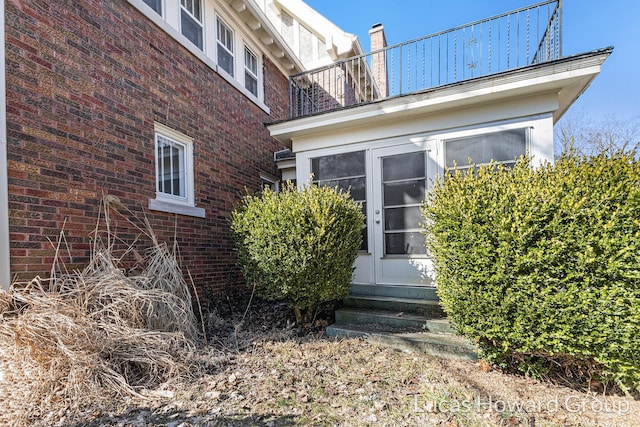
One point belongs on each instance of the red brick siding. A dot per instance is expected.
(85, 82)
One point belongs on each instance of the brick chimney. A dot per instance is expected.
(379, 60)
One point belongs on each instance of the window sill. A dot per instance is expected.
(162, 206)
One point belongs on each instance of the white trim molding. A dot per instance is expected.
(184, 203)
(162, 206)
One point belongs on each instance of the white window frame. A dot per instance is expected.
(221, 45)
(463, 168)
(247, 69)
(168, 202)
(199, 21)
(161, 13)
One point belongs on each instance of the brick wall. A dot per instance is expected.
(379, 60)
(85, 82)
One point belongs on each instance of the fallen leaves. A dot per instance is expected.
(286, 377)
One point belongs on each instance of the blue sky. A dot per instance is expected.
(587, 25)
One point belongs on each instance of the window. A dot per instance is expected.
(225, 47)
(347, 172)
(171, 167)
(268, 181)
(503, 147)
(156, 5)
(250, 71)
(191, 21)
(174, 166)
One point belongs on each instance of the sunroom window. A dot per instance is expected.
(225, 47)
(502, 147)
(347, 172)
(191, 21)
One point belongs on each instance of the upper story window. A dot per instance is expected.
(225, 47)
(156, 5)
(202, 27)
(250, 71)
(191, 21)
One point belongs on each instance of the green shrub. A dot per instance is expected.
(298, 246)
(542, 266)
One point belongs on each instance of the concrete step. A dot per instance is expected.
(381, 318)
(392, 320)
(396, 291)
(440, 325)
(422, 307)
(437, 344)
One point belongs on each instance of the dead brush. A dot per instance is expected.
(81, 337)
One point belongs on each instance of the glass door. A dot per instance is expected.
(401, 177)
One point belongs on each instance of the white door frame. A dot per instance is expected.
(412, 270)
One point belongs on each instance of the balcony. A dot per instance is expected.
(517, 39)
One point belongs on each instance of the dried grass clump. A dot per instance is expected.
(80, 338)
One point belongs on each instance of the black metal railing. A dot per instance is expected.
(505, 42)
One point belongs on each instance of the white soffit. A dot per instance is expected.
(272, 41)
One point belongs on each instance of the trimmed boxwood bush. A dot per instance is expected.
(542, 266)
(298, 246)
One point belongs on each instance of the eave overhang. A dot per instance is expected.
(270, 38)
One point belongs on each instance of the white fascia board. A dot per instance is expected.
(433, 123)
(5, 260)
(554, 77)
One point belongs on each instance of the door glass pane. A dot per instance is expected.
(501, 146)
(402, 218)
(404, 166)
(405, 243)
(402, 193)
